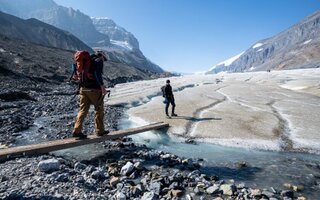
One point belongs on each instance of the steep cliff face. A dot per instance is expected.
(117, 34)
(35, 31)
(61, 17)
(296, 47)
(100, 33)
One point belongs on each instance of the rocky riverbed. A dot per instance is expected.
(126, 171)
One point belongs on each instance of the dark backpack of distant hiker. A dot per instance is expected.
(163, 90)
(82, 71)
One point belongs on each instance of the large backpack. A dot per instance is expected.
(163, 90)
(82, 66)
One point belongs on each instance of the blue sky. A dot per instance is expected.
(194, 35)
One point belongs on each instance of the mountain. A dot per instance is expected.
(124, 46)
(61, 17)
(296, 47)
(121, 46)
(117, 34)
(35, 31)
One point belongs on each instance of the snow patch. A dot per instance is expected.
(2, 50)
(98, 18)
(230, 60)
(260, 49)
(251, 68)
(123, 44)
(257, 45)
(307, 42)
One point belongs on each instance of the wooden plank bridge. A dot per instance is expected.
(55, 145)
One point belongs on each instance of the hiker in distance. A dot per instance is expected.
(169, 98)
(92, 90)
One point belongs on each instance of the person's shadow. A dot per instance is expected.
(196, 119)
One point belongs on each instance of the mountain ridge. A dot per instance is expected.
(293, 48)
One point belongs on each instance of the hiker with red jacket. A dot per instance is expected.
(169, 99)
(92, 92)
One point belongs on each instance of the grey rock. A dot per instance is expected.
(138, 165)
(155, 187)
(149, 196)
(98, 174)
(212, 189)
(228, 189)
(121, 196)
(79, 166)
(63, 177)
(127, 169)
(49, 165)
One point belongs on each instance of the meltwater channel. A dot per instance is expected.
(264, 169)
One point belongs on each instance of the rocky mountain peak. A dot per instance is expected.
(117, 34)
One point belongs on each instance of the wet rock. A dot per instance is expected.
(138, 165)
(79, 166)
(241, 164)
(127, 169)
(49, 165)
(212, 189)
(228, 189)
(287, 193)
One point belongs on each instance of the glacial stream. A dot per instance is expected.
(263, 169)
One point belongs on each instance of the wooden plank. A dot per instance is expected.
(73, 142)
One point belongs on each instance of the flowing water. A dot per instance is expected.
(264, 169)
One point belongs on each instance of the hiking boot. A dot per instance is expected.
(174, 115)
(168, 115)
(103, 133)
(79, 135)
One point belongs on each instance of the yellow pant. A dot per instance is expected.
(90, 97)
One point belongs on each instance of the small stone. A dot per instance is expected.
(212, 189)
(114, 181)
(298, 188)
(176, 193)
(302, 198)
(255, 192)
(127, 169)
(63, 177)
(79, 166)
(155, 187)
(121, 196)
(98, 174)
(241, 164)
(287, 193)
(49, 165)
(138, 165)
(228, 189)
(149, 196)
